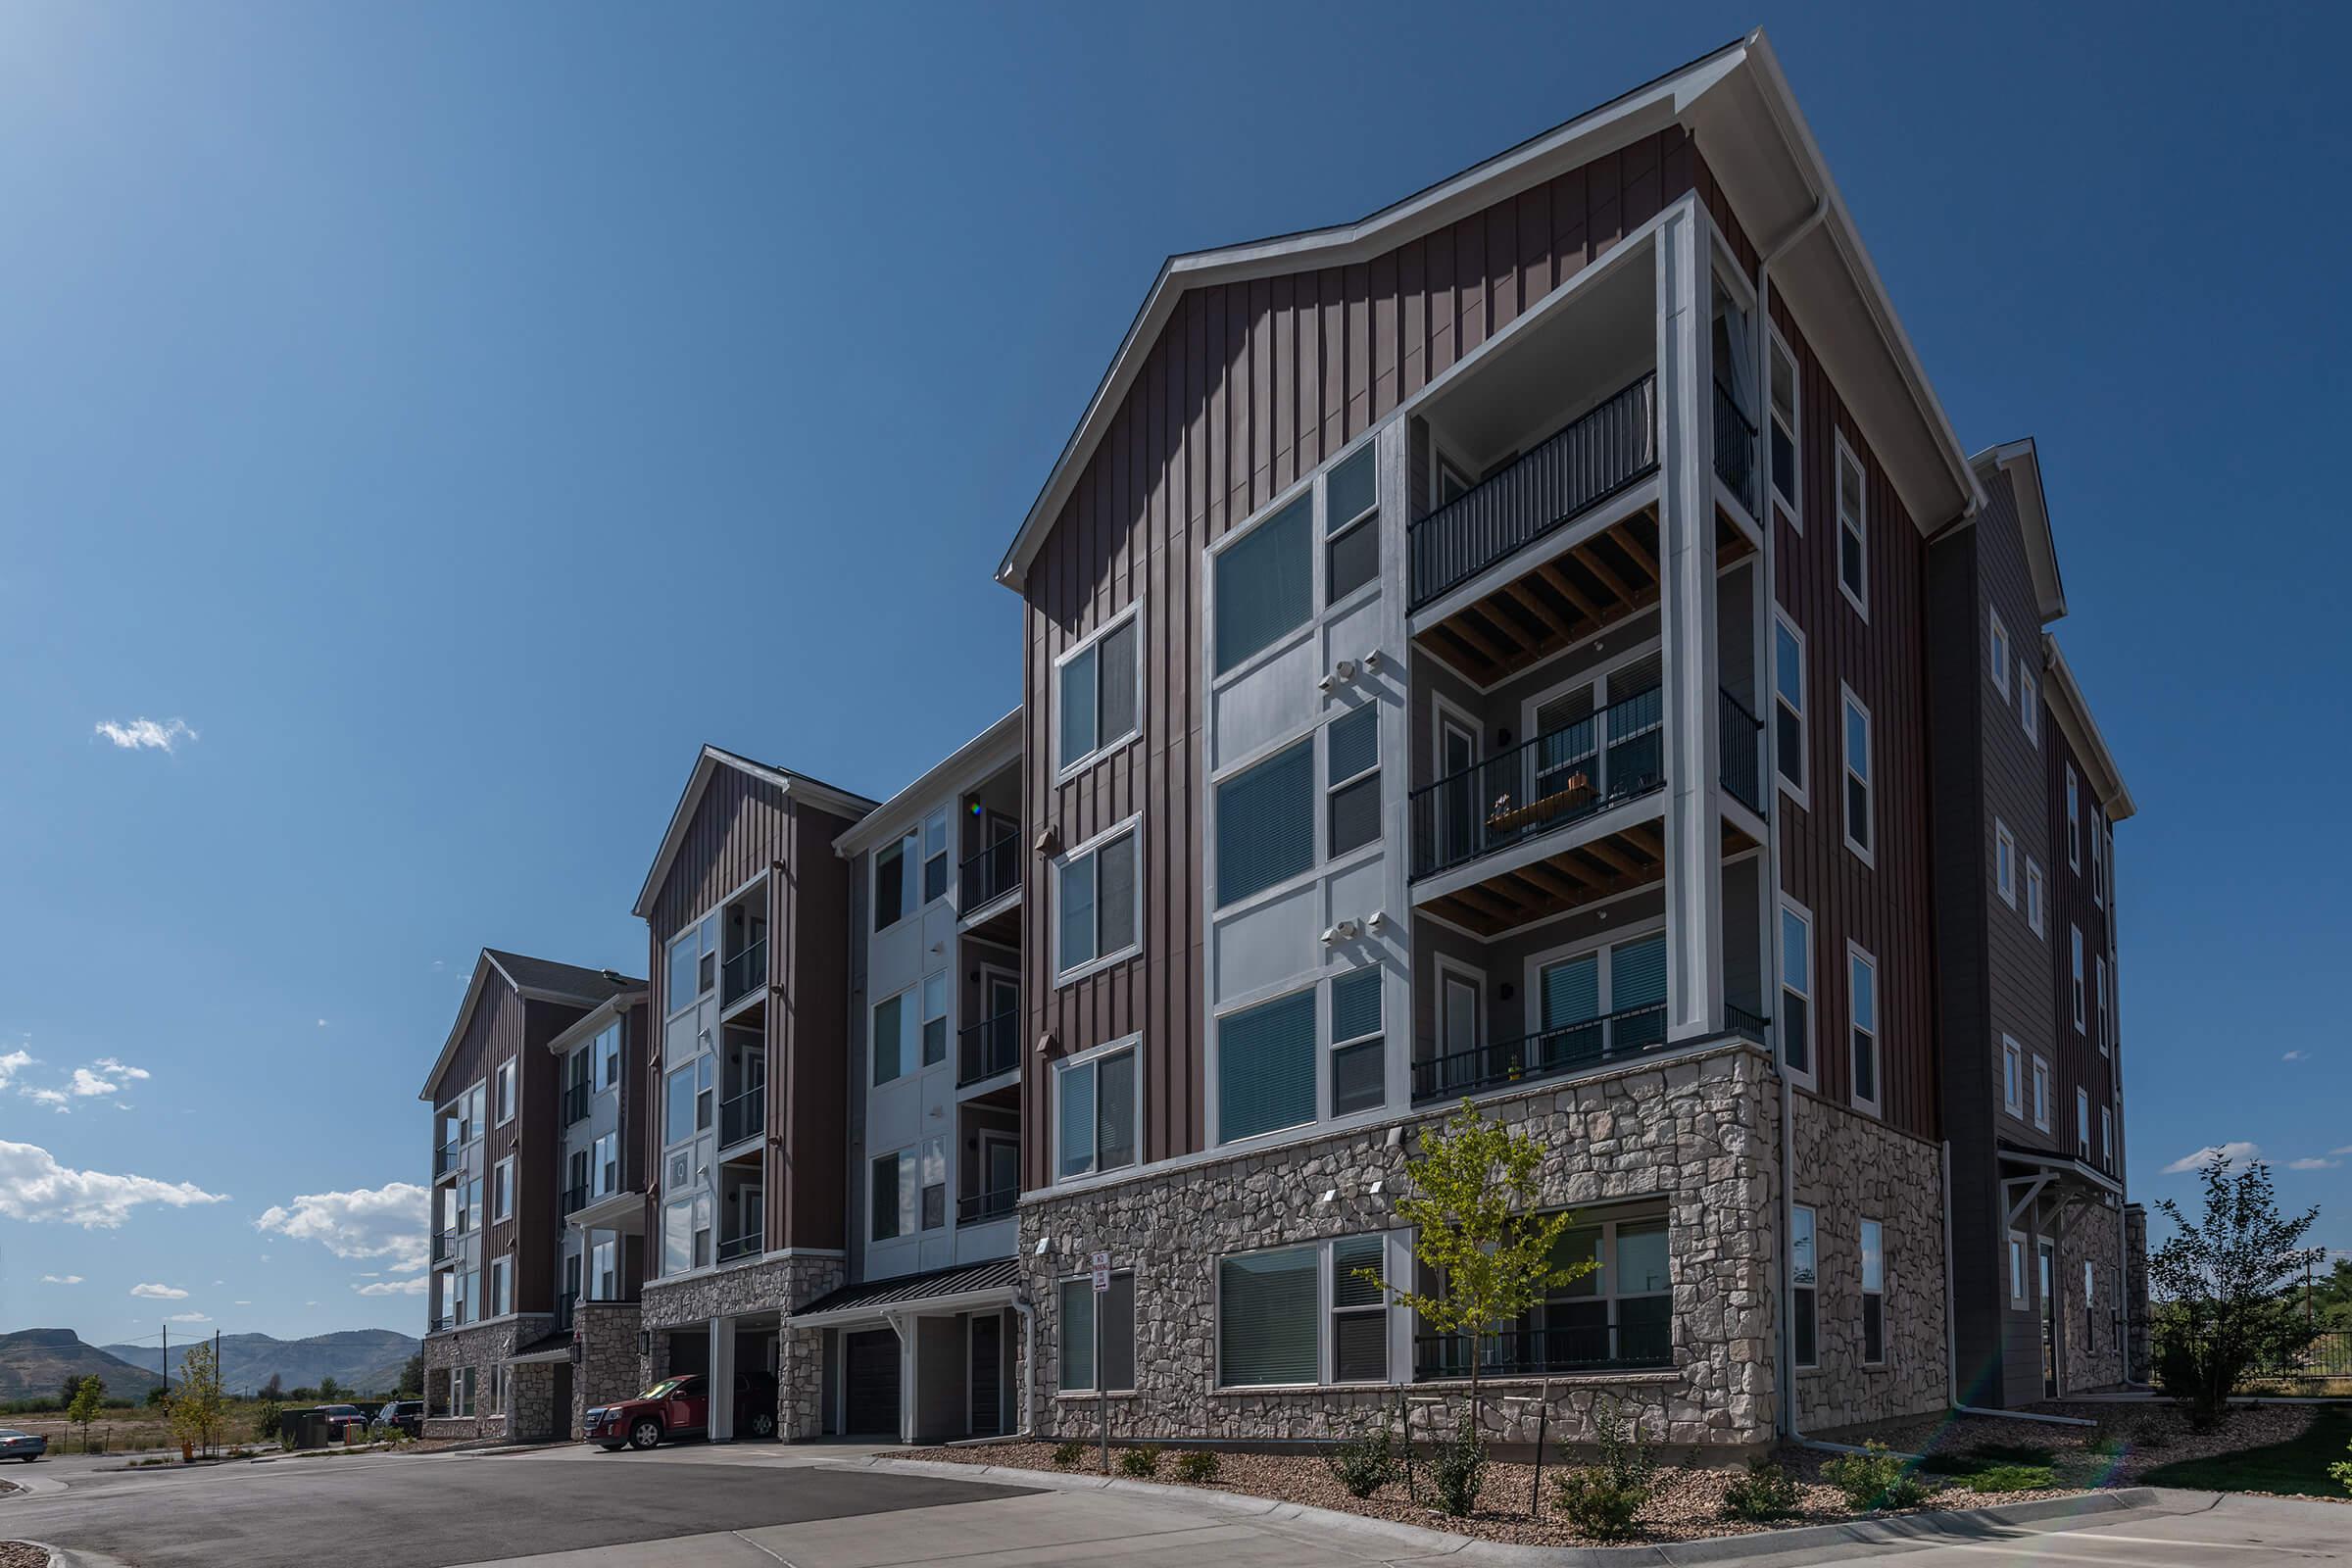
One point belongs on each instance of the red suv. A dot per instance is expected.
(680, 1408)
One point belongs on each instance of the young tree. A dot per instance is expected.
(412, 1377)
(198, 1405)
(274, 1388)
(67, 1392)
(83, 1409)
(2220, 1281)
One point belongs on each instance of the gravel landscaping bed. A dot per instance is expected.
(22, 1555)
(2129, 1441)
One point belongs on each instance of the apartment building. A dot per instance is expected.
(496, 1362)
(1482, 652)
(601, 1065)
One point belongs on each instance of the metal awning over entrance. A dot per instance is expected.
(966, 1287)
(550, 1348)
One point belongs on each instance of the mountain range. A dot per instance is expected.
(35, 1362)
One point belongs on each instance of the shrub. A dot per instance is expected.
(1765, 1493)
(1198, 1466)
(1603, 1499)
(1367, 1458)
(2013, 1478)
(266, 1419)
(1874, 1479)
(1140, 1461)
(1457, 1470)
(1067, 1454)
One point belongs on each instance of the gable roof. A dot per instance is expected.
(825, 796)
(1738, 105)
(2071, 709)
(994, 747)
(2020, 461)
(533, 980)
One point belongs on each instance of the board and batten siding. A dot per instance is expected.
(1250, 385)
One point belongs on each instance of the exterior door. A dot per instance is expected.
(2049, 1322)
(873, 1384)
(999, 1174)
(1457, 1039)
(987, 1376)
(1458, 804)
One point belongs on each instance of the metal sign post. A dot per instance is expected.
(1101, 1272)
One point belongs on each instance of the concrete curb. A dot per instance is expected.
(29, 1485)
(1957, 1524)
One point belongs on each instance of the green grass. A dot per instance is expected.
(1987, 1457)
(2299, 1466)
(2013, 1478)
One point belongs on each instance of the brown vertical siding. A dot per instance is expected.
(1250, 385)
(2078, 1063)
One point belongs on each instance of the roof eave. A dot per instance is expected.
(993, 748)
(2021, 460)
(2072, 713)
(824, 797)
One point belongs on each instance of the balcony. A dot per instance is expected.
(1542, 785)
(1605, 452)
(575, 1199)
(576, 1097)
(443, 1323)
(743, 975)
(445, 1159)
(1747, 1024)
(1541, 1352)
(1532, 1058)
(1735, 449)
(986, 1048)
(737, 1246)
(744, 1116)
(1739, 737)
(444, 1247)
(989, 874)
(980, 1207)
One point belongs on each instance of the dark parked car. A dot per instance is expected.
(340, 1417)
(25, 1445)
(407, 1415)
(680, 1408)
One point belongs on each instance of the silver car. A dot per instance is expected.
(25, 1445)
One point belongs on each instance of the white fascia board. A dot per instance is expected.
(982, 755)
(2072, 713)
(2020, 461)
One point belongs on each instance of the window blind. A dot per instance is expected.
(1267, 1317)
(1265, 584)
(1266, 823)
(1266, 1067)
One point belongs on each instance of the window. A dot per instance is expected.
(2098, 859)
(2107, 1137)
(689, 1101)
(1796, 990)
(1620, 1313)
(603, 1271)
(935, 855)
(1874, 1293)
(502, 1286)
(2005, 861)
(1079, 1300)
(1352, 756)
(1862, 994)
(604, 1165)
(911, 1191)
(2029, 704)
(1784, 444)
(2021, 1290)
(1804, 1274)
(605, 1057)
(1358, 1053)
(2042, 1094)
(1266, 1067)
(1359, 1310)
(1857, 777)
(1095, 1112)
(1603, 1001)
(2099, 970)
(1789, 705)
(892, 1018)
(1351, 525)
(1998, 639)
(1266, 823)
(1265, 583)
(506, 1091)
(2076, 934)
(686, 1234)
(2090, 1320)
(2013, 1078)
(1854, 531)
(2033, 894)
(935, 1018)
(498, 1376)
(461, 1390)
(894, 881)
(2083, 1123)
(2074, 820)
(502, 1189)
(693, 965)
(1095, 888)
(1101, 691)
(1304, 1314)
(461, 1302)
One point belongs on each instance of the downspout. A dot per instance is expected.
(1020, 1304)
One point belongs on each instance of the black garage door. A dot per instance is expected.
(874, 1384)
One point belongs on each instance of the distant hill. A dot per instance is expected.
(367, 1360)
(34, 1363)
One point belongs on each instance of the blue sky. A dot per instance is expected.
(453, 415)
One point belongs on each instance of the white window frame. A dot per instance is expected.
(2099, 970)
(598, 1186)
(2029, 703)
(502, 1190)
(1333, 785)
(2098, 862)
(1061, 863)
(2107, 1137)
(1094, 1386)
(1309, 489)
(1104, 746)
(1997, 638)
(2021, 1279)
(2082, 1124)
(1813, 1225)
(502, 1286)
(462, 1392)
(2074, 820)
(910, 846)
(508, 1098)
(2033, 896)
(1848, 704)
(2041, 1092)
(1079, 1058)
(1809, 1074)
(2013, 1077)
(1801, 792)
(1868, 1226)
(1846, 454)
(1857, 961)
(1396, 1263)
(2077, 965)
(2005, 861)
(1796, 416)
(1333, 528)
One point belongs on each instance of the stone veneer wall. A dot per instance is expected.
(1699, 1132)
(531, 1403)
(2138, 1354)
(606, 1365)
(2091, 1344)
(780, 1285)
(1849, 1168)
(486, 1347)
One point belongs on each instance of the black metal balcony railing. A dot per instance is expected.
(744, 1116)
(988, 1048)
(743, 975)
(565, 1305)
(1542, 784)
(992, 873)
(1735, 449)
(1740, 736)
(1570, 1047)
(1740, 1020)
(443, 1322)
(575, 1102)
(979, 1206)
(443, 1244)
(1535, 1352)
(575, 1199)
(1599, 454)
(734, 1247)
(445, 1159)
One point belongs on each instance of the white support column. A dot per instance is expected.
(1686, 613)
(723, 1379)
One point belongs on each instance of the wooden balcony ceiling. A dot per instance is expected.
(1561, 601)
(1631, 858)
(1729, 543)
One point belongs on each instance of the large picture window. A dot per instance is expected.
(1094, 1113)
(1102, 692)
(1603, 1001)
(1096, 896)
(1304, 1315)
(1266, 823)
(909, 1190)
(1266, 1067)
(1265, 583)
(1080, 1302)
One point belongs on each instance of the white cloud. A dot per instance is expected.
(387, 1221)
(34, 1186)
(56, 1100)
(61, 1279)
(241, 1303)
(2313, 1163)
(2347, 1149)
(2233, 1152)
(415, 1286)
(88, 1085)
(11, 1063)
(2292, 1055)
(148, 1290)
(118, 1071)
(187, 1317)
(146, 734)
